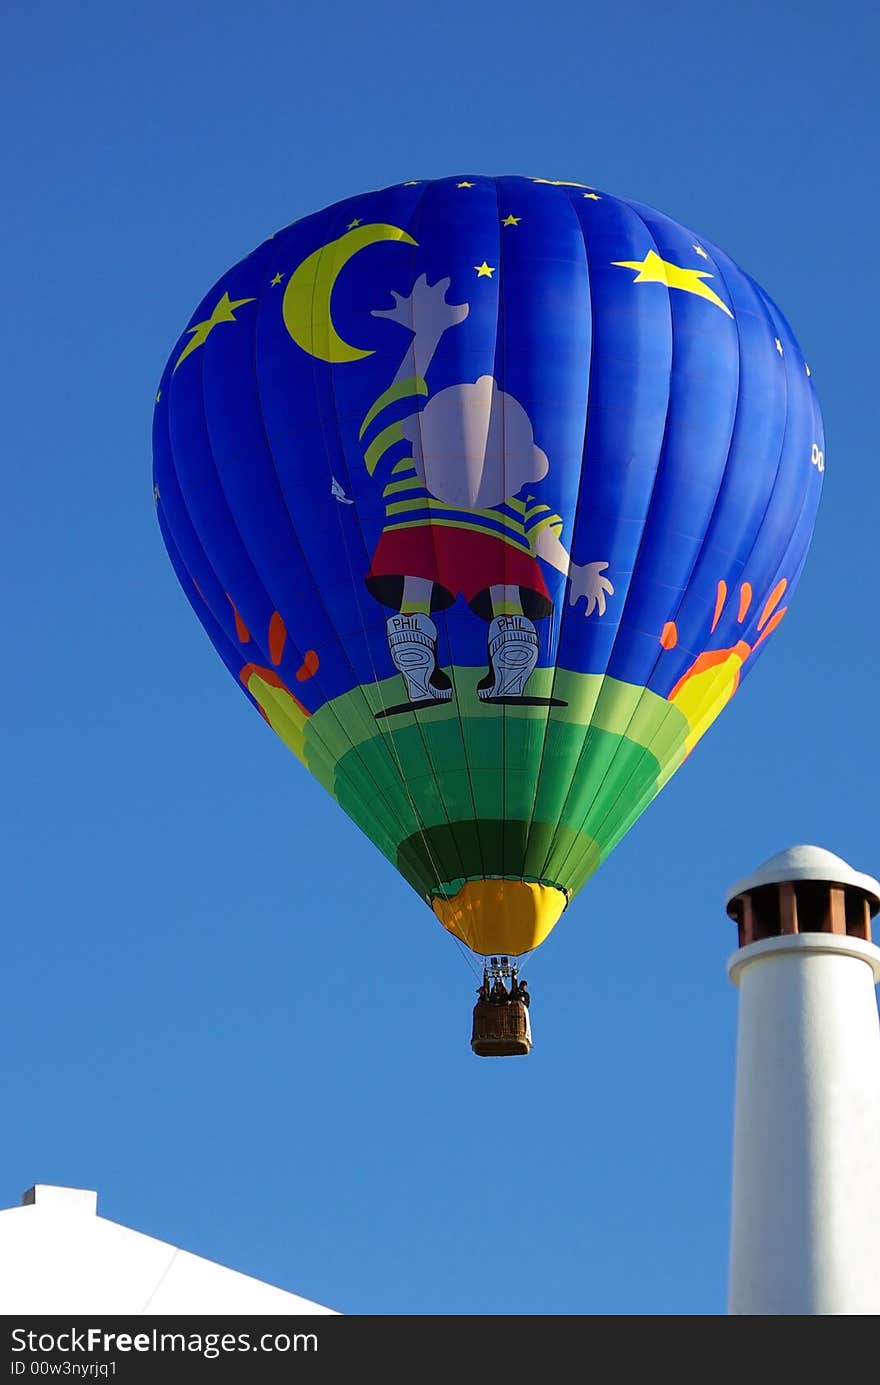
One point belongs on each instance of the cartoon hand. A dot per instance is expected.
(425, 311)
(586, 580)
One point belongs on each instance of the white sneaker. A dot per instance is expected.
(412, 642)
(513, 654)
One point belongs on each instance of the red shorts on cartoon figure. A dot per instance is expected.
(459, 562)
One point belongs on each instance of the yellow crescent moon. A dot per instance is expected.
(306, 303)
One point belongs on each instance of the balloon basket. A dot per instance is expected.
(500, 1031)
(501, 1027)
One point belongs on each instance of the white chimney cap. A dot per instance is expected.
(807, 863)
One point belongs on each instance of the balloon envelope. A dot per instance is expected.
(488, 492)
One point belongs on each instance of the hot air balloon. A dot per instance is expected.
(488, 492)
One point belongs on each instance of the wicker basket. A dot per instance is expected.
(501, 1031)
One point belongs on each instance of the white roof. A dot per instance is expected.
(58, 1256)
(807, 863)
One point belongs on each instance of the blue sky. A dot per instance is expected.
(220, 1006)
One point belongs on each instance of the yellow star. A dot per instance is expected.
(700, 251)
(351, 225)
(511, 221)
(593, 196)
(485, 271)
(778, 345)
(464, 185)
(223, 312)
(560, 183)
(654, 270)
(277, 279)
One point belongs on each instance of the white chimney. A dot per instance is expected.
(805, 1227)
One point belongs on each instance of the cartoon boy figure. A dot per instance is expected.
(460, 517)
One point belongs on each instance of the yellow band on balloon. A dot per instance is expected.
(506, 916)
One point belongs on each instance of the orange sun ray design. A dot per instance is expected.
(280, 707)
(713, 678)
